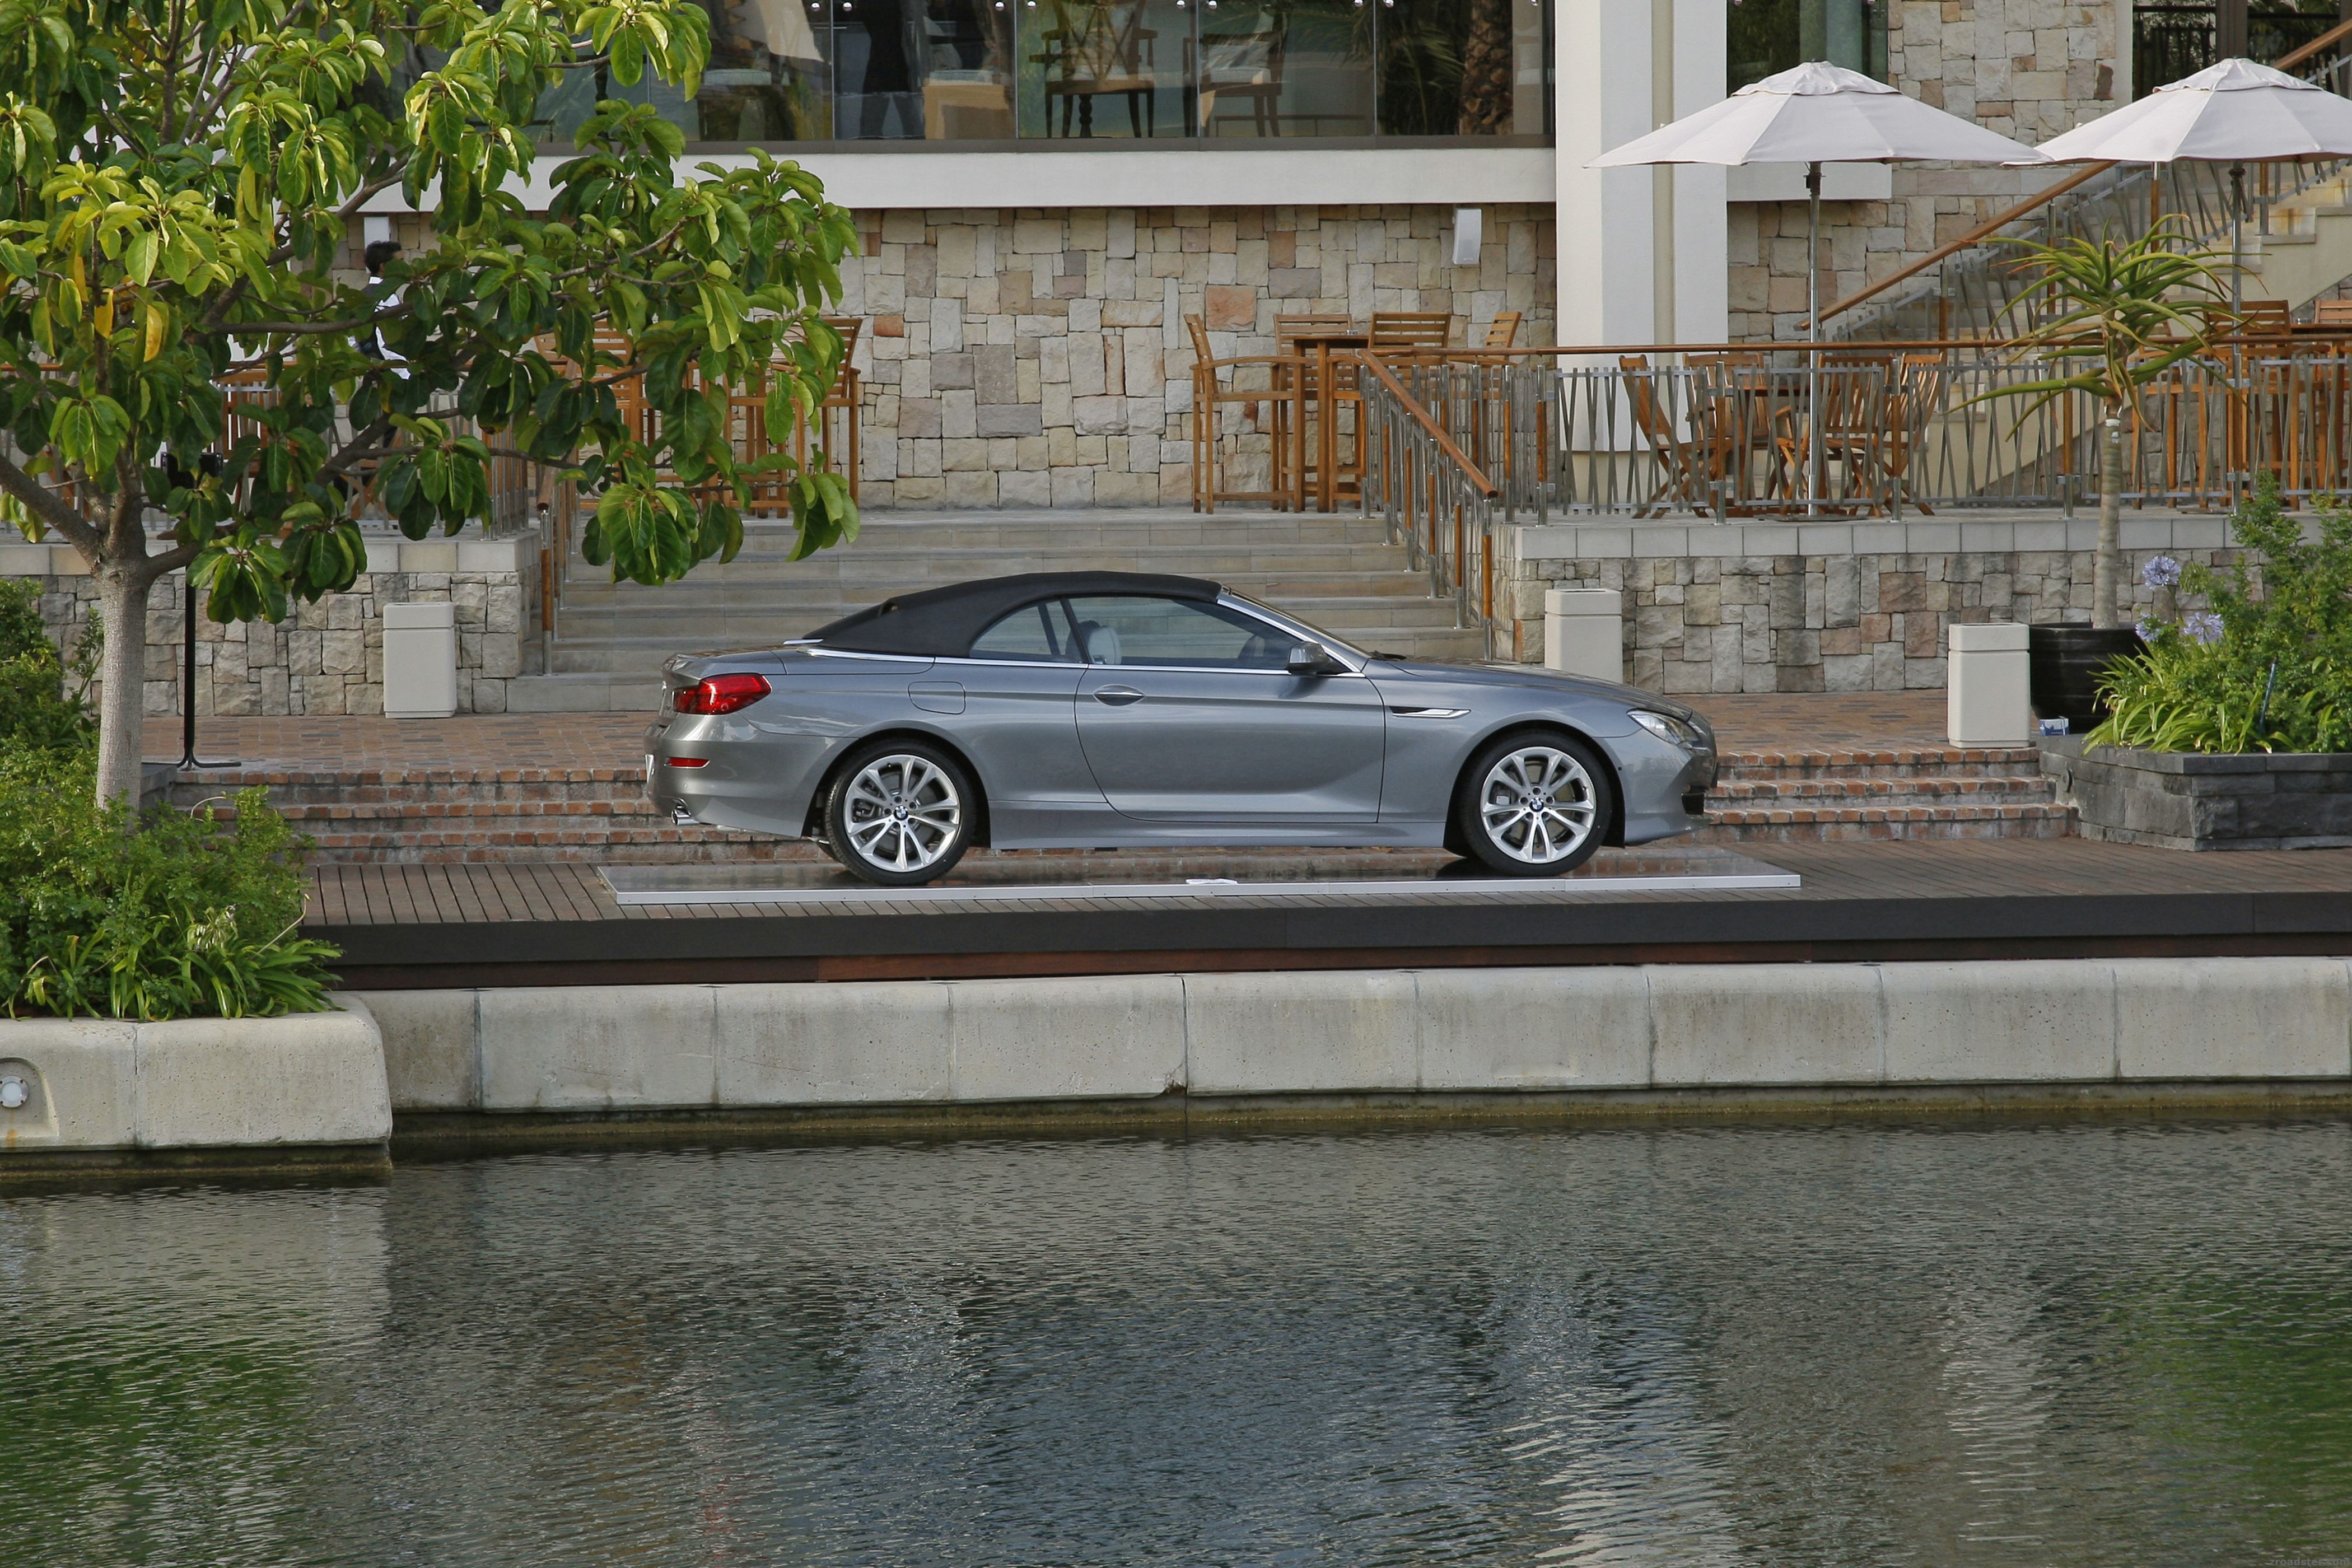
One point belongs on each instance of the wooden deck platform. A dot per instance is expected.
(555, 924)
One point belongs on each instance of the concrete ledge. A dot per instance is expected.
(96, 1089)
(1112, 1047)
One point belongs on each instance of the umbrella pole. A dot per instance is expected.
(2237, 226)
(1814, 353)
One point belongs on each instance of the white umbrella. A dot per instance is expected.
(2236, 112)
(1813, 114)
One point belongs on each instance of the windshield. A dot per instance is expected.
(1294, 624)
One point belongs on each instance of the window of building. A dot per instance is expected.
(2170, 41)
(1767, 37)
(1157, 71)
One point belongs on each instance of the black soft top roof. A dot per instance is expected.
(941, 623)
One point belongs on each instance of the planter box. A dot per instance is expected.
(219, 1091)
(2183, 800)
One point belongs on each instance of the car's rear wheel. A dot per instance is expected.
(901, 813)
(1534, 805)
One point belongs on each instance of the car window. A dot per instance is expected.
(1146, 631)
(1036, 633)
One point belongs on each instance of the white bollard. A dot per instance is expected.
(1987, 685)
(420, 661)
(1584, 632)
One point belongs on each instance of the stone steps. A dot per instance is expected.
(1339, 571)
(601, 815)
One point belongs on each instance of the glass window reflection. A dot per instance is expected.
(1104, 68)
(787, 71)
(1462, 67)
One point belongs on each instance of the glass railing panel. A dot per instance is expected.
(1288, 68)
(1462, 67)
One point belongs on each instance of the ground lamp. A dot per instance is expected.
(2236, 112)
(1817, 114)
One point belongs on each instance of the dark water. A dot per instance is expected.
(2083, 1345)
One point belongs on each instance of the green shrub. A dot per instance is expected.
(36, 713)
(2267, 668)
(166, 915)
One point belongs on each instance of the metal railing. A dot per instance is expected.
(1437, 500)
(1731, 432)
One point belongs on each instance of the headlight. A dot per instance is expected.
(1666, 727)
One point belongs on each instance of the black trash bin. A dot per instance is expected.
(2064, 663)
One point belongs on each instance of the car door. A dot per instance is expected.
(1015, 720)
(1188, 712)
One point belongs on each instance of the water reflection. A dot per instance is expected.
(2087, 1345)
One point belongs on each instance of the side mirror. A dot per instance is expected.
(1307, 659)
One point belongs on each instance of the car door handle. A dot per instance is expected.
(1119, 695)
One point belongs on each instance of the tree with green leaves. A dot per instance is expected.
(179, 181)
(2124, 313)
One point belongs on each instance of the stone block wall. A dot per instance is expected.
(1035, 358)
(2026, 69)
(326, 657)
(1760, 608)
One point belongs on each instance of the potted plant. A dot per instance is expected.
(2114, 317)
(2232, 729)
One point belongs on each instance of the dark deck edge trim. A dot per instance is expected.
(451, 1134)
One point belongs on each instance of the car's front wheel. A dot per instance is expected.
(901, 813)
(1534, 805)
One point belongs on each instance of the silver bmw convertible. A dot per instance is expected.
(1117, 709)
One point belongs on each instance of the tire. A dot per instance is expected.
(901, 813)
(1576, 794)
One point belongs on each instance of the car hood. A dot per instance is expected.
(1526, 677)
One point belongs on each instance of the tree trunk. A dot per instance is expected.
(2107, 577)
(121, 705)
(1486, 71)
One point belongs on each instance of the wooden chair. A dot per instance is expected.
(1245, 66)
(1213, 392)
(1691, 470)
(1411, 332)
(1503, 331)
(1851, 427)
(1101, 49)
(2332, 313)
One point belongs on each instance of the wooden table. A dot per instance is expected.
(1316, 348)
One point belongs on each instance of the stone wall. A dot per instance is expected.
(326, 657)
(1034, 358)
(2026, 69)
(1833, 607)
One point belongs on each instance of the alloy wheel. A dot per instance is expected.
(1537, 805)
(903, 812)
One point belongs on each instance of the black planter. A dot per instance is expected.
(2064, 664)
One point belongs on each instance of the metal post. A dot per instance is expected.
(2237, 231)
(1814, 353)
(188, 758)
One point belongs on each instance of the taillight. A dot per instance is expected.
(721, 694)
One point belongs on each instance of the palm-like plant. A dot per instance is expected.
(2125, 313)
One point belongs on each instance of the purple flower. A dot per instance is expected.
(2147, 628)
(2161, 572)
(2202, 627)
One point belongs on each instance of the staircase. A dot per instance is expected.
(1910, 792)
(1338, 571)
(2308, 251)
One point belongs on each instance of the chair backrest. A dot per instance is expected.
(1230, 60)
(1103, 39)
(1202, 352)
(1504, 329)
(1412, 328)
(1289, 327)
(2265, 317)
(1643, 399)
(2333, 313)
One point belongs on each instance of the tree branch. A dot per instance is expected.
(44, 503)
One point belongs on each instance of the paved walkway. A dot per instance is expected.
(1868, 721)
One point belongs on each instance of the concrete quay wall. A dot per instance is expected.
(1435, 1039)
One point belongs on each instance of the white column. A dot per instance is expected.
(1642, 255)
